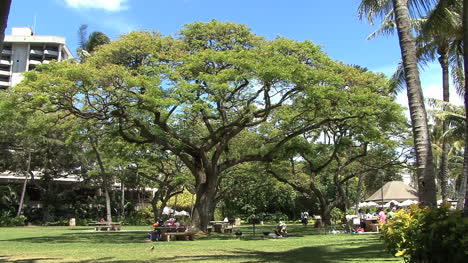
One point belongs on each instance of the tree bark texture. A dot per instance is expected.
(23, 191)
(465, 58)
(422, 140)
(205, 201)
(444, 162)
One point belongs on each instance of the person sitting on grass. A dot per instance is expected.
(281, 229)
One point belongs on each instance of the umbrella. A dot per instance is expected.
(389, 203)
(408, 202)
(181, 213)
(372, 204)
(363, 204)
(168, 211)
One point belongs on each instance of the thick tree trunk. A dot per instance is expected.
(205, 202)
(108, 205)
(325, 211)
(465, 56)
(444, 162)
(325, 207)
(4, 12)
(157, 211)
(164, 199)
(422, 140)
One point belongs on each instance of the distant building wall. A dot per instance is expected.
(23, 51)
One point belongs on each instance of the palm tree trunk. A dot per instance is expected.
(422, 141)
(444, 162)
(4, 12)
(465, 56)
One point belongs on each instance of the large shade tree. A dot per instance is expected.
(422, 141)
(199, 95)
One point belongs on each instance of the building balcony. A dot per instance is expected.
(36, 52)
(51, 52)
(4, 84)
(5, 62)
(4, 73)
(34, 62)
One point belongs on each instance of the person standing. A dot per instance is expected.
(305, 218)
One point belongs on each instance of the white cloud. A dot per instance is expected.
(109, 5)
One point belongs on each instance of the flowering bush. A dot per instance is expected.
(427, 235)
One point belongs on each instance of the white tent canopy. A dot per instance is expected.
(408, 202)
(390, 203)
(364, 204)
(393, 191)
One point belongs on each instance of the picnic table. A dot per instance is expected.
(372, 224)
(221, 226)
(107, 226)
(166, 232)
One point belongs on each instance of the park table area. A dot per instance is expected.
(221, 226)
(372, 224)
(165, 233)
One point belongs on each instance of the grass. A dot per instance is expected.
(81, 244)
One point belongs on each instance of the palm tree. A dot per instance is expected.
(465, 56)
(439, 37)
(89, 43)
(4, 12)
(454, 116)
(422, 140)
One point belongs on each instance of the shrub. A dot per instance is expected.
(427, 235)
(143, 216)
(7, 219)
(336, 214)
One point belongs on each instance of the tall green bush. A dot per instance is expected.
(7, 219)
(425, 235)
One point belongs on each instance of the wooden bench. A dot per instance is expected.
(101, 226)
(188, 235)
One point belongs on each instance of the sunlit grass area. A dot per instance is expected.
(82, 244)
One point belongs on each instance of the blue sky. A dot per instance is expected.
(333, 24)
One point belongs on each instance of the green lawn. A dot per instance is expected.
(81, 244)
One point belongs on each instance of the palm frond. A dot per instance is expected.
(387, 27)
(397, 81)
(371, 9)
(83, 36)
(95, 40)
(457, 66)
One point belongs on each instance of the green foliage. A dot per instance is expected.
(143, 216)
(427, 235)
(336, 213)
(7, 219)
(272, 217)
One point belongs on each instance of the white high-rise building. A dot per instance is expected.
(22, 51)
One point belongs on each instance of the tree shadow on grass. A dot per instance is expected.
(92, 237)
(28, 260)
(320, 254)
